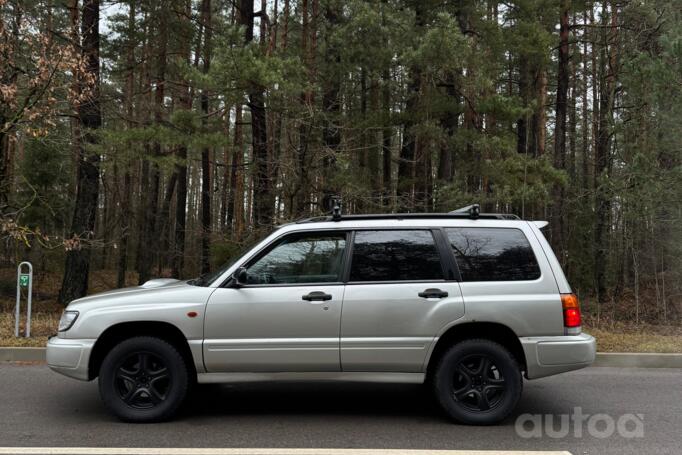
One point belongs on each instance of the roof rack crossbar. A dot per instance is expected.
(473, 210)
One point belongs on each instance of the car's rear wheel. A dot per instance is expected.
(477, 382)
(143, 379)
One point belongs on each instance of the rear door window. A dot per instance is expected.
(493, 254)
(395, 255)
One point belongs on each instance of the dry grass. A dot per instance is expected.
(624, 337)
(45, 309)
(44, 321)
(42, 326)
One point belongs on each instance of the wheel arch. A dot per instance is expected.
(492, 331)
(125, 330)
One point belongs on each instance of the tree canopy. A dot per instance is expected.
(160, 136)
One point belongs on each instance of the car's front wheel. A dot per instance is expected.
(143, 379)
(477, 382)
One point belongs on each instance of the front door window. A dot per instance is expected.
(300, 259)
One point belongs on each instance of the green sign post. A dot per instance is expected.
(24, 280)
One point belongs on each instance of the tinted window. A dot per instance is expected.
(493, 254)
(395, 256)
(316, 258)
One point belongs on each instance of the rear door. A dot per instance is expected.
(401, 291)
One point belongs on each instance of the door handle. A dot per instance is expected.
(317, 296)
(433, 293)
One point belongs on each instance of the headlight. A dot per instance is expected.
(67, 320)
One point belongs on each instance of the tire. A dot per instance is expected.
(477, 382)
(143, 379)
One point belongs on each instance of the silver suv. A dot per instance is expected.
(465, 302)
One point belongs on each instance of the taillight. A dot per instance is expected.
(571, 308)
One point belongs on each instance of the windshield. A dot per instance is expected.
(210, 277)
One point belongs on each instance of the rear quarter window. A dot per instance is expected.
(493, 254)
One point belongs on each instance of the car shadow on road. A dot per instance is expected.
(311, 398)
(341, 399)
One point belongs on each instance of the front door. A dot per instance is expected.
(400, 294)
(287, 316)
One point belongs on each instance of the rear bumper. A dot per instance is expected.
(69, 357)
(546, 356)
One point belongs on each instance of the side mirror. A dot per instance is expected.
(239, 277)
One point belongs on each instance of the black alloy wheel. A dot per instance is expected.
(144, 379)
(477, 382)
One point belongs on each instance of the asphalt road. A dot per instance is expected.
(39, 408)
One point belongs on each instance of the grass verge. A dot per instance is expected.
(622, 337)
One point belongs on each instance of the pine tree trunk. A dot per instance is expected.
(540, 117)
(225, 194)
(585, 162)
(205, 162)
(124, 216)
(76, 269)
(236, 208)
(74, 123)
(180, 209)
(387, 130)
(386, 140)
(449, 123)
(150, 229)
(376, 142)
(263, 205)
(558, 208)
(302, 160)
(165, 231)
(572, 127)
(602, 150)
(408, 151)
(185, 101)
(331, 111)
(522, 123)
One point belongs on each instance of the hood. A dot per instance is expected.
(130, 294)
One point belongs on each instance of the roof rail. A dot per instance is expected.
(472, 212)
(472, 215)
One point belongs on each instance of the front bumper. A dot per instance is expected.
(546, 356)
(69, 357)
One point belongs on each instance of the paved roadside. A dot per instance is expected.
(253, 451)
(39, 408)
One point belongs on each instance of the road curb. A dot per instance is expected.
(638, 360)
(604, 359)
(22, 354)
